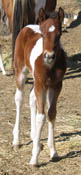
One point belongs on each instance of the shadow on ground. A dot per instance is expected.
(76, 22)
(74, 65)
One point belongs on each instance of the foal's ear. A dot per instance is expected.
(41, 16)
(61, 15)
(41, 12)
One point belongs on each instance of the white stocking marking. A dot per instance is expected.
(40, 119)
(33, 109)
(18, 100)
(51, 144)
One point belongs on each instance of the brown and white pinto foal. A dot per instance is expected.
(38, 49)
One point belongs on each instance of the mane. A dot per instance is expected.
(51, 15)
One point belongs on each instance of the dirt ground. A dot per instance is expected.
(68, 121)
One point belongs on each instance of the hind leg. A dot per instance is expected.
(33, 109)
(19, 96)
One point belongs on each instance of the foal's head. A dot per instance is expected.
(51, 32)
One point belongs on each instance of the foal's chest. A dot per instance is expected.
(48, 78)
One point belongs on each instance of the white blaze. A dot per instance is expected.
(52, 28)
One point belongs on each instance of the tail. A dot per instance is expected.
(23, 15)
(17, 16)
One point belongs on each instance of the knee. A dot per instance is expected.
(51, 114)
(40, 119)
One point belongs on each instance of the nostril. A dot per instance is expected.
(49, 55)
(53, 56)
(46, 55)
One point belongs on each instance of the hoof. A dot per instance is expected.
(16, 147)
(55, 158)
(33, 163)
(4, 73)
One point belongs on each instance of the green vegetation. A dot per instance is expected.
(7, 61)
(79, 1)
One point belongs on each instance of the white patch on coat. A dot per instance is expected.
(23, 74)
(21, 78)
(52, 28)
(36, 52)
(35, 28)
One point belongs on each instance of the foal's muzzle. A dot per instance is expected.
(49, 57)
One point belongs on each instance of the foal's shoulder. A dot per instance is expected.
(35, 28)
(30, 32)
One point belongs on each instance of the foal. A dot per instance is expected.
(38, 49)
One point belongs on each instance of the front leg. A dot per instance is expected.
(40, 119)
(52, 101)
